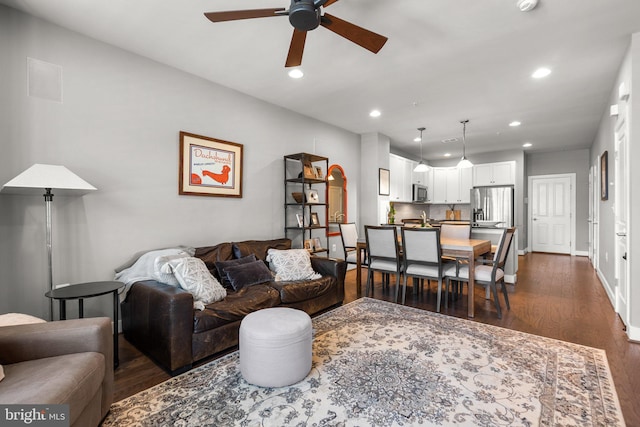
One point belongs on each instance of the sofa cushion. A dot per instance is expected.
(235, 306)
(301, 290)
(73, 379)
(211, 254)
(221, 267)
(292, 264)
(259, 247)
(252, 273)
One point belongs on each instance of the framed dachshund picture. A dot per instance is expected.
(604, 176)
(209, 167)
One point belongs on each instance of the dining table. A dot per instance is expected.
(469, 249)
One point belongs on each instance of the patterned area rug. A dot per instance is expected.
(382, 364)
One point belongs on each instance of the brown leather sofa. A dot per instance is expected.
(66, 362)
(160, 320)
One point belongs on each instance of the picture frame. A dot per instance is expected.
(315, 220)
(308, 245)
(209, 166)
(604, 176)
(312, 196)
(383, 182)
(318, 171)
(317, 246)
(300, 220)
(308, 172)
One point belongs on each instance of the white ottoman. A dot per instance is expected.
(275, 346)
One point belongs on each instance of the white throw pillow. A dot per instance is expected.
(291, 264)
(194, 277)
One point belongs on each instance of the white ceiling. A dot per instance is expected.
(445, 60)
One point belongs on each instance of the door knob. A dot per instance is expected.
(534, 219)
(621, 234)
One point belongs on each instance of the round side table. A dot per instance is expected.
(81, 291)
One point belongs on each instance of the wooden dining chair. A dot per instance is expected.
(422, 258)
(487, 274)
(383, 253)
(349, 237)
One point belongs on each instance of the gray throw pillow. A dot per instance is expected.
(244, 275)
(222, 267)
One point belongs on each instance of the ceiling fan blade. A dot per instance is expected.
(360, 36)
(234, 15)
(329, 3)
(296, 48)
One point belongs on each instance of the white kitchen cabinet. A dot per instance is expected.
(400, 179)
(500, 173)
(452, 185)
(424, 178)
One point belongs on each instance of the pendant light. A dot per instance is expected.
(422, 166)
(464, 162)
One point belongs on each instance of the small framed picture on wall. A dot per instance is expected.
(604, 176)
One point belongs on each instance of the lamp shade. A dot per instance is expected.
(39, 177)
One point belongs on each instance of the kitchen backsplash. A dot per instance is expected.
(414, 210)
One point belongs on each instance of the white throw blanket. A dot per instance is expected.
(145, 268)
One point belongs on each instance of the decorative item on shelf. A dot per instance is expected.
(317, 246)
(308, 171)
(298, 197)
(308, 245)
(315, 221)
(312, 196)
(300, 219)
(48, 177)
(392, 214)
(319, 174)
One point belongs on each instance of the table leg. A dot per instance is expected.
(358, 272)
(116, 361)
(472, 272)
(80, 308)
(63, 310)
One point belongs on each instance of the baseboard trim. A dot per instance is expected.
(522, 252)
(512, 279)
(633, 332)
(582, 253)
(607, 288)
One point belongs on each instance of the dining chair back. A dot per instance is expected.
(349, 236)
(422, 257)
(488, 274)
(455, 231)
(383, 253)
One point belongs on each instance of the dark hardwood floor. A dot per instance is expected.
(556, 296)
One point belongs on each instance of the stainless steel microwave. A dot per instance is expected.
(419, 193)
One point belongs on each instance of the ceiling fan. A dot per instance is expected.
(305, 15)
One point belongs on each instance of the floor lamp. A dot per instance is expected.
(48, 178)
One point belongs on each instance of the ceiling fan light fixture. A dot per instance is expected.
(464, 162)
(526, 5)
(296, 73)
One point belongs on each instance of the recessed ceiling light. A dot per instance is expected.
(296, 73)
(448, 140)
(527, 144)
(515, 123)
(375, 113)
(447, 154)
(526, 5)
(541, 73)
(417, 139)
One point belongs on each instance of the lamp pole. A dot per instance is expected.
(48, 199)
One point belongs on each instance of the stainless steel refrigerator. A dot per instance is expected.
(492, 206)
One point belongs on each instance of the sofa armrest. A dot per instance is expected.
(19, 343)
(158, 319)
(331, 267)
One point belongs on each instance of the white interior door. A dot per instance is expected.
(621, 215)
(551, 214)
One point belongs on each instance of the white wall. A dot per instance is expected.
(571, 161)
(118, 129)
(630, 75)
